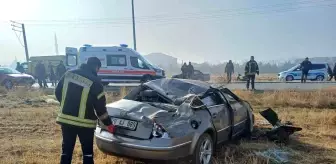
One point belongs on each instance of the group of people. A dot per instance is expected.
(187, 70)
(251, 69)
(41, 73)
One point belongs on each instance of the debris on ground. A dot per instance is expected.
(280, 132)
(276, 156)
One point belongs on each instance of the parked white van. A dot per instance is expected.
(318, 72)
(119, 63)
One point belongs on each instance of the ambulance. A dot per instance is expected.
(119, 63)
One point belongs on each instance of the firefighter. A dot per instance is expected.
(305, 67)
(251, 68)
(190, 70)
(184, 70)
(334, 72)
(229, 70)
(52, 76)
(81, 95)
(40, 73)
(60, 70)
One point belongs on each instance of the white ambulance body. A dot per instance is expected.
(119, 63)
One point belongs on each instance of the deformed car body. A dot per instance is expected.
(168, 119)
(198, 75)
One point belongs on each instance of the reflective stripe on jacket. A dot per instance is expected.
(251, 68)
(81, 96)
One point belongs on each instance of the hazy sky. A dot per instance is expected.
(200, 30)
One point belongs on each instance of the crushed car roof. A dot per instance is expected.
(174, 87)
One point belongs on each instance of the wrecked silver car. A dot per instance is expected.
(168, 119)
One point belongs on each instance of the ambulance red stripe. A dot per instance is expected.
(129, 72)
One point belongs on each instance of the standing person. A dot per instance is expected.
(84, 96)
(40, 73)
(229, 70)
(19, 67)
(251, 68)
(184, 70)
(334, 72)
(52, 75)
(190, 70)
(330, 73)
(60, 70)
(305, 67)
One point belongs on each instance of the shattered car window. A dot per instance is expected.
(176, 88)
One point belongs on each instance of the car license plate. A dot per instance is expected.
(128, 124)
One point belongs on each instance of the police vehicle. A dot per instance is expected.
(318, 72)
(119, 63)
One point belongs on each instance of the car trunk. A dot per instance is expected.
(135, 119)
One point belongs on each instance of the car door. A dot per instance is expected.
(140, 68)
(316, 70)
(297, 73)
(220, 114)
(240, 114)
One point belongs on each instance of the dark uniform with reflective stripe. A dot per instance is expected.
(81, 95)
(251, 69)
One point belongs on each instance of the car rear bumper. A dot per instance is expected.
(116, 145)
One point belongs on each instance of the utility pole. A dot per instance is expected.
(19, 27)
(56, 45)
(134, 39)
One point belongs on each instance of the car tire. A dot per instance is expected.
(204, 148)
(289, 78)
(146, 78)
(319, 78)
(8, 84)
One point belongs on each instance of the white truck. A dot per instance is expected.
(119, 63)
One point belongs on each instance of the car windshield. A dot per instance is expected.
(9, 71)
(145, 60)
(293, 68)
(176, 88)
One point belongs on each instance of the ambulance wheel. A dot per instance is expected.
(105, 83)
(146, 78)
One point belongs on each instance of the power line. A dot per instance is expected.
(20, 27)
(193, 14)
(179, 19)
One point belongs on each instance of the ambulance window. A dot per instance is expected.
(116, 60)
(138, 63)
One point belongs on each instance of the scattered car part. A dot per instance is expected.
(280, 131)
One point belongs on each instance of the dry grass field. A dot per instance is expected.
(29, 134)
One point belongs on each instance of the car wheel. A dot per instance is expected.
(289, 78)
(8, 84)
(319, 78)
(204, 150)
(146, 78)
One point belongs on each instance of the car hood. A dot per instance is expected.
(22, 75)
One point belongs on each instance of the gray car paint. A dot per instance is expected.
(182, 136)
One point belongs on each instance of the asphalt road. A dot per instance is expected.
(242, 85)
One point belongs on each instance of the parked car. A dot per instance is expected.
(198, 75)
(168, 119)
(318, 72)
(10, 77)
